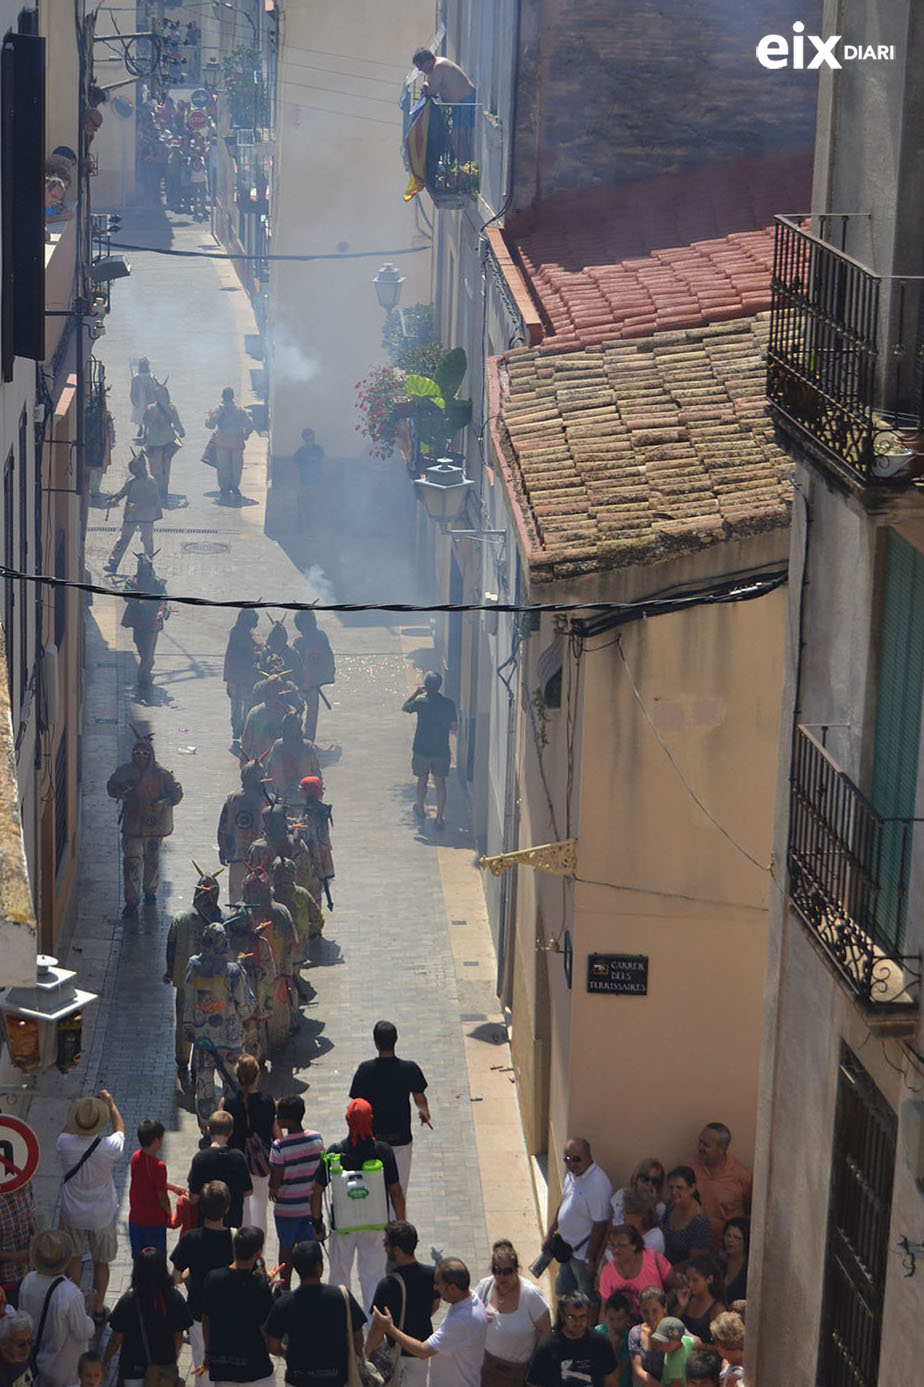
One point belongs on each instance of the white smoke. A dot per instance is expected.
(290, 362)
(321, 584)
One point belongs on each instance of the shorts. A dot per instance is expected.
(140, 1236)
(422, 764)
(103, 1242)
(290, 1231)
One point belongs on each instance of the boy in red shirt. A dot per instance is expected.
(148, 1204)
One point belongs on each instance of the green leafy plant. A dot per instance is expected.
(244, 89)
(409, 340)
(440, 413)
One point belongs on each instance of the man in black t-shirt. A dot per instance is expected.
(312, 1321)
(365, 1242)
(420, 1300)
(436, 718)
(200, 1251)
(573, 1355)
(389, 1084)
(220, 1162)
(236, 1302)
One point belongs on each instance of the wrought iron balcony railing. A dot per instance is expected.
(848, 878)
(823, 348)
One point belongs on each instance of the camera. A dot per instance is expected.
(537, 1267)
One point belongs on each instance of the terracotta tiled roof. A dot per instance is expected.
(675, 252)
(633, 451)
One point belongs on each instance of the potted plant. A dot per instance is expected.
(891, 455)
(440, 414)
(380, 398)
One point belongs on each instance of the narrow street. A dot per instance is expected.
(408, 938)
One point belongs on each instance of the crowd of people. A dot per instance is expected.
(176, 162)
(633, 1308)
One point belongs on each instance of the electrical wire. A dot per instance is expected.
(687, 786)
(223, 255)
(259, 604)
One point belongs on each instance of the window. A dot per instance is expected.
(898, 724)
(862, 1169)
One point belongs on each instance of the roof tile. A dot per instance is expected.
(629, 452)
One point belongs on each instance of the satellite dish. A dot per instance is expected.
(122, 108)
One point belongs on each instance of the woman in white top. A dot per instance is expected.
(648, 1178)
(518, 1319)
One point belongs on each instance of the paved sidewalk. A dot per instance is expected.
(407, 938)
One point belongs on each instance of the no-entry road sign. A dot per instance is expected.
(19, 1154)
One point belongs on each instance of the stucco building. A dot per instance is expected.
(337, 195)
(610, 285)
(838, 1189)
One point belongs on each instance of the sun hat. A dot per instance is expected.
(86, 1117)
(51, 1251)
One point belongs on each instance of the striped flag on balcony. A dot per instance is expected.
(415, 142)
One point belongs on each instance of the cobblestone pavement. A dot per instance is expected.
(386, 948)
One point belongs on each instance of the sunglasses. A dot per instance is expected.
(572, 1160)
(649, 1180)
(504, 1271)
(21, 1343)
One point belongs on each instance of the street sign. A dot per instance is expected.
(621, 975)
(199, 97)
(19, 1154)
(196, 120)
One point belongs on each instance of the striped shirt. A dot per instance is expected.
(299, 1155)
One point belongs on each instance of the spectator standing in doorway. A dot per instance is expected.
(581, 1220)
(436, 718)
(724, 1184)
(389, 1084)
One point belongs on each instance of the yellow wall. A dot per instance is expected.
(641, 1075)
(339, 180)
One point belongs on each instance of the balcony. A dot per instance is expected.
(848, 879)
(828, 355)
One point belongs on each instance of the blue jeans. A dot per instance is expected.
(574, 1276)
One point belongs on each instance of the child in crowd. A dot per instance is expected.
(616, 1320)
(200, 1251)
(148, 1203)
(89, 1369)
(294, 1159)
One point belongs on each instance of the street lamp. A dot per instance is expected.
(387, 284)
(42, 1024)
(443, 489)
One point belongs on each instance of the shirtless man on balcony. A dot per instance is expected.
(447, 81)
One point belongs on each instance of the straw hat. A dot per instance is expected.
(87, 1117)
(51, 1251)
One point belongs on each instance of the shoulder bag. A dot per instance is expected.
(84, 1158)
(156, 1374)
(360, 1371)
(255, 1151)
(387, 1356)
(37, 1341)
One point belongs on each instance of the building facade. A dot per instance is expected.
(838, 1191)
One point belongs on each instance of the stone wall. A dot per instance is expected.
(611, 91)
